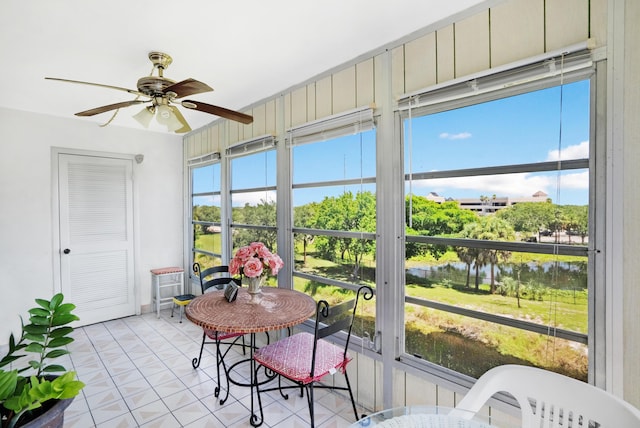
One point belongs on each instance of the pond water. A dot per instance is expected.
(552, 274)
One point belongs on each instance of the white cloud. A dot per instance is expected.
(253, 198)
(459, 136)
(513, 185)
(578, 151)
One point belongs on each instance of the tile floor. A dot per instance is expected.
(138, 373)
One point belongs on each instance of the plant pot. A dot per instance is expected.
(51, 415)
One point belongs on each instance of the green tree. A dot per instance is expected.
(206, 213)
(490, 228)
(305, 217)
(576, 219)
(261, 214)
(347, 212)
(429, 218)
(529, 217)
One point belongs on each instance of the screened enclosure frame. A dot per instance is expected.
(502, 84)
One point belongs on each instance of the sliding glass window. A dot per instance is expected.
(206, 214)
(253, 193)
(498, 201)
(334, 209)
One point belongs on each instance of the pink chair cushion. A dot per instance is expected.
(291, 357)
(220, 335)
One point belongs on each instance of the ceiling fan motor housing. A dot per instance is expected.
(154, 85)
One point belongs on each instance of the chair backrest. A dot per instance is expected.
(330, 320)
(551, 400)
(216, 276)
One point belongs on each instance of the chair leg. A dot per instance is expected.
(353, 402)
(181, 310)
(196, 361)
(310, 402)
(173, 305)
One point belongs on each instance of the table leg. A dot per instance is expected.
(254, 420)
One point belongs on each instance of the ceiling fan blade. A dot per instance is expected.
(182, 120)
(110, 107)
(188, 87)
(218, 111)
(131, 91)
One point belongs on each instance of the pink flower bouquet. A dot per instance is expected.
(255, 260)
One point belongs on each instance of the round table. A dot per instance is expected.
(271, 309)
(422, 417)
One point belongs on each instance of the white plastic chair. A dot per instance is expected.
(551, 400)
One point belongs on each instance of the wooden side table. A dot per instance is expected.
(168, 277)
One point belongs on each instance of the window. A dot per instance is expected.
(206, 214)
(253, 193)
(334, 209)
(497, 193)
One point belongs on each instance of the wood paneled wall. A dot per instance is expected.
(508, 32)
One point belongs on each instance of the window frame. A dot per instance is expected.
(255, 146)
(355, 122)
(451, 98)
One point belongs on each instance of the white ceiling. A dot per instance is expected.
(247, 50)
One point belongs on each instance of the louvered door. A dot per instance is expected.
(96, 236)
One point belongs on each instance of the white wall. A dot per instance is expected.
(26, 230)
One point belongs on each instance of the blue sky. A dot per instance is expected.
(520, 129)
(532, 127)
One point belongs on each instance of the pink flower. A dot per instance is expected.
(275, 264)
(261, 250)
(244, 253)
(253, 267)
(255, 260)
(234, 266)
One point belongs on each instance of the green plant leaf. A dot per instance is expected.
(71, 389)
(39, 320)
(44, 303)
(56, 353)
(34, 347)
(63, 319)
(60, 341)
(35, 364)
(65, 308)
(9, 359)
(56, 300)
(54, 368)
(39, 312)
(35, 329)
(35, 337)
(61, 331)
(8, 383)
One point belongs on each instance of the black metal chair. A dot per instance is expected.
(305, 358)
(216, 278)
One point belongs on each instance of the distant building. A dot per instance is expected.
(433, 196)
(489, 204)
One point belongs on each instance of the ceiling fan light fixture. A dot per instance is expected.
(166, 117)
(144, 116)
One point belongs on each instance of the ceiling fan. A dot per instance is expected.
(162, 93)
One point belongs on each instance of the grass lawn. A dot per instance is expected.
(468, 345)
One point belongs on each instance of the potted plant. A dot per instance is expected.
(37, 393)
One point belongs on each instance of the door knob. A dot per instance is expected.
(66, 251)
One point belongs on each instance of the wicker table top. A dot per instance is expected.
(273, 309)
